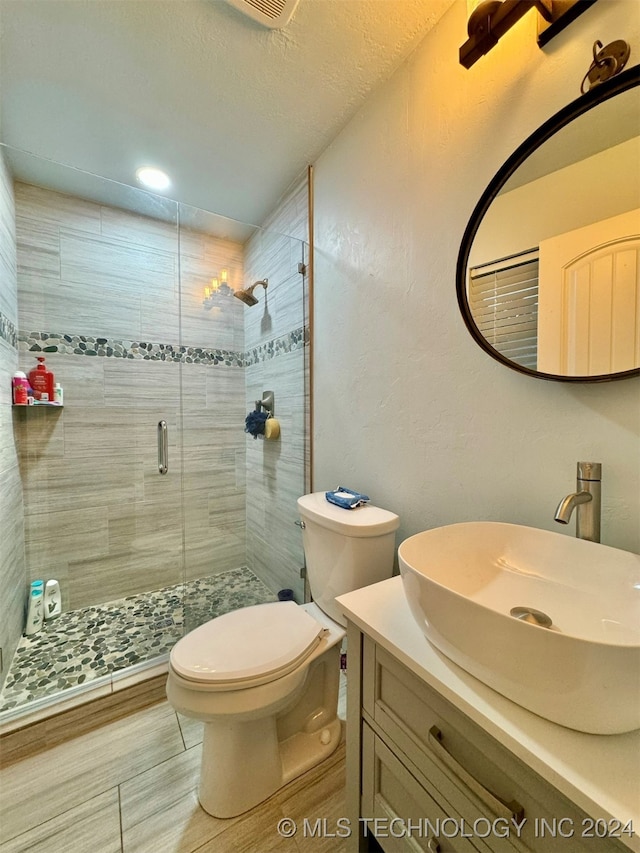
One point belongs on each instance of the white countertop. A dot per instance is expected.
(599, 773)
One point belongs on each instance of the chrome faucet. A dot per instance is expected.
(586, 499)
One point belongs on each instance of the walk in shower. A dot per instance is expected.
(129, 297)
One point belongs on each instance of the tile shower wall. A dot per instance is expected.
(276, 335)
(99, 293)
(13, 578)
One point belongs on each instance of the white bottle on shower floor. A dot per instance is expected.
(52, 600)
(35, 608)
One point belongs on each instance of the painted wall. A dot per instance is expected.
(13, 577)
(275, 336)
(407, 408)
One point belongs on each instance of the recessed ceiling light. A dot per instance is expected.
(154, 179)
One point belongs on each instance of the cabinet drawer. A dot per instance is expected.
(476, 770)
(400, 814)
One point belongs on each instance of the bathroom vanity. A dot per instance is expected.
(437, 761)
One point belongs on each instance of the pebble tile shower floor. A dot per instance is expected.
(83, 645)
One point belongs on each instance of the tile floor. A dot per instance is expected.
(83, 645)
(130, 787)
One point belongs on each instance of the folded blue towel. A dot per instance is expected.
(254, 423)
(346, 498)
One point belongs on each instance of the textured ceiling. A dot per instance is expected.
(232, 110)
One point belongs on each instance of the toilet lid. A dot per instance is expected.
(246, 643)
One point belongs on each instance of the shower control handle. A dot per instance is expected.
(300, 524)
(163, 447)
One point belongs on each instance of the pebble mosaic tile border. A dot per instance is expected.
(297, 339)
(90, 345)
(82, 645)
(111, 348)
(8, 331)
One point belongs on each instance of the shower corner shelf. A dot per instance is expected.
(38, 406)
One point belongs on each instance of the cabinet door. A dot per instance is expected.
(455, 762)
(467, 771)
(399, 813)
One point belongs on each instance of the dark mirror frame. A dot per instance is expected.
(626, 80)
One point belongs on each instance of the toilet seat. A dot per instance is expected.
(247, 647)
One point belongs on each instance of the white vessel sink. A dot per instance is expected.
(462, 582)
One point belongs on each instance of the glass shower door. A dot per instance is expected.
(143, 496)
(239, 493)
(98, 296)
(217, 578)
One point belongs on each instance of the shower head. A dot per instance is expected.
(247, 296)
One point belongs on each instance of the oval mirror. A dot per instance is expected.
(548, 275)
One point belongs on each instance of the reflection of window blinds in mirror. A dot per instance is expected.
(503, 296)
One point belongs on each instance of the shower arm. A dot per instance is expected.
(264, 282)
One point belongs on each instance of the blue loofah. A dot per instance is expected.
(254, 423)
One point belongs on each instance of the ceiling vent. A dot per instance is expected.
(270, 13)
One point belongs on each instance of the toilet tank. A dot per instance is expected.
(345, 549)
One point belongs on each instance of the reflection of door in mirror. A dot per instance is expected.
(589, 298)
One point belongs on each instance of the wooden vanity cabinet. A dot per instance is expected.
(421, 776)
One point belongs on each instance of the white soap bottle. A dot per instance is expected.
(35, 608)
(52, 600)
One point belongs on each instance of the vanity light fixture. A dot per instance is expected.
(490, 19)
(217, 290)
(152, 178)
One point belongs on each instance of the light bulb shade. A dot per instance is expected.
(472, 5)
(478, 22)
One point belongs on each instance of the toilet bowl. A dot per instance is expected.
(264, 679)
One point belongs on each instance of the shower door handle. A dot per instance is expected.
(163, 447)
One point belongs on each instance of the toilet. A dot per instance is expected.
(264, 679)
